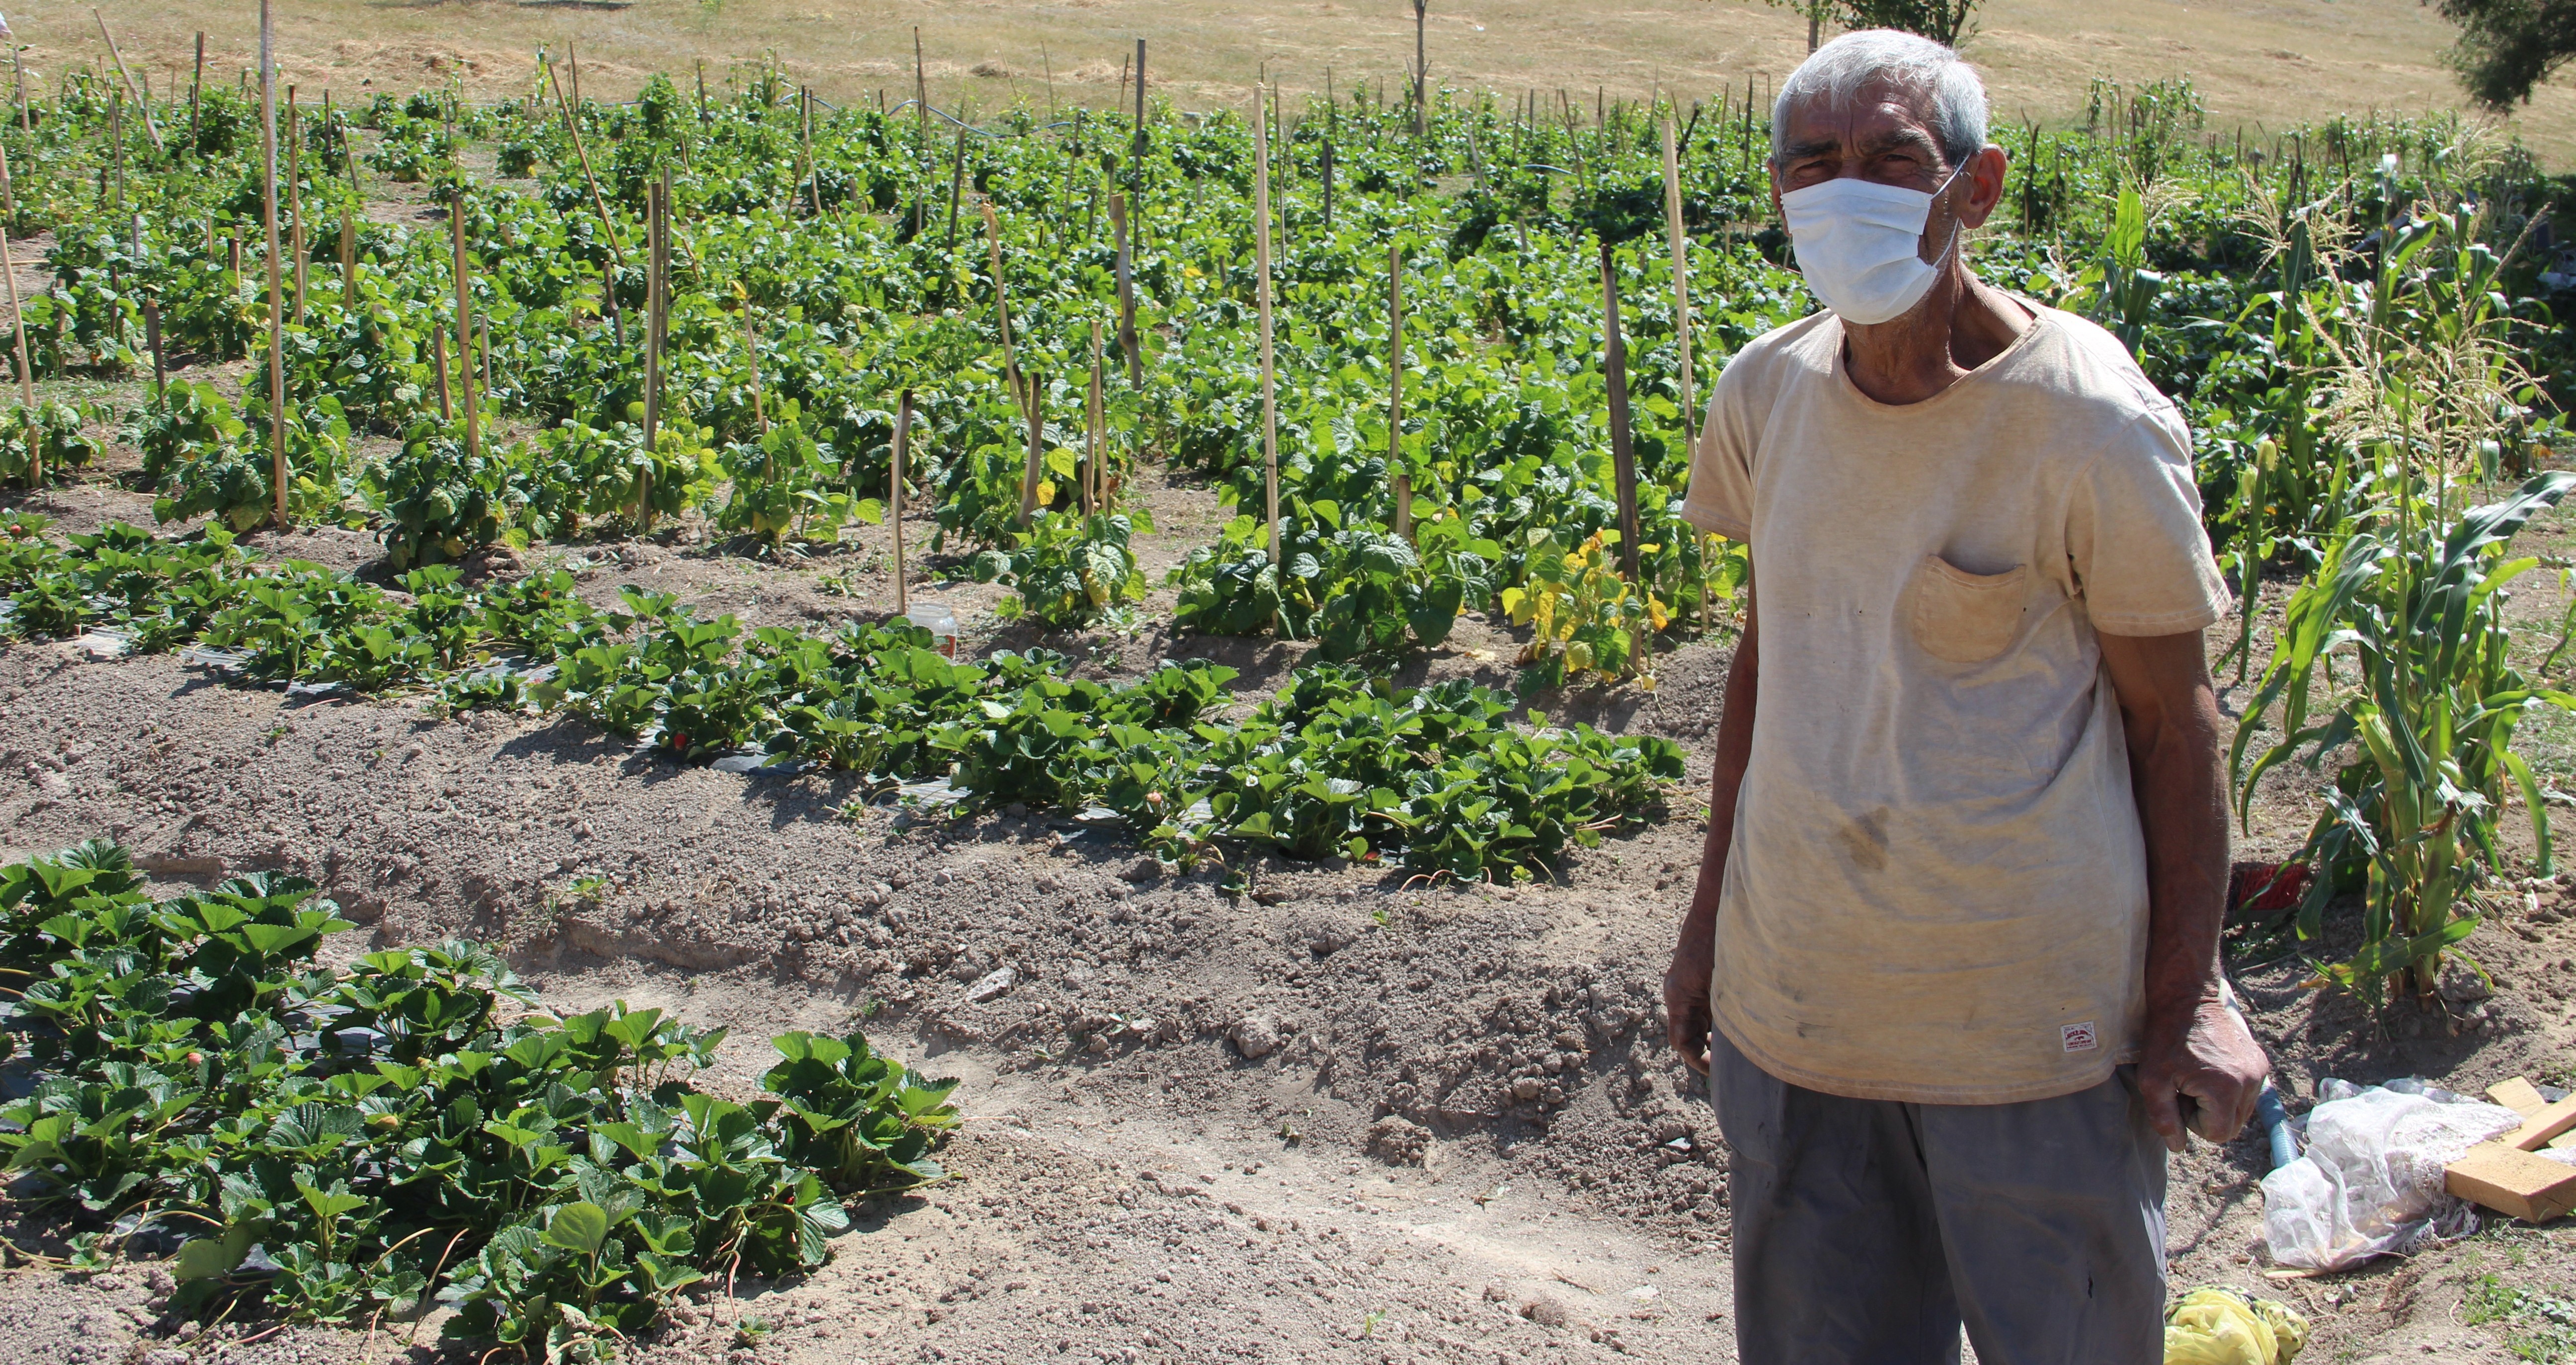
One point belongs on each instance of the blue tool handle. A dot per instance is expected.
(2275, 1119)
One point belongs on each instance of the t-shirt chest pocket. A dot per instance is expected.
(1963, 617)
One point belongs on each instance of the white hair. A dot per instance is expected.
(1916, 65)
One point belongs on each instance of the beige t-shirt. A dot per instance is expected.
(1938, 888)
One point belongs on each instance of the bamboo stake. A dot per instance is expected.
(1002, 305)
(1128, 343)
(438, 354)
(894, 498)
(348, 258)
(1395, 391)
(464, 271)
(920, 91)
(652, 320)
(1681, 275)
(1095, 484)
(151, 306)
(813, 173)
(1037, 452)
(137, 91)
(598, 204)
(751, 344)
(268, 213)
(295, 197)
(1614, 372)
(1261, 277)
(18, 330)
(116, 141)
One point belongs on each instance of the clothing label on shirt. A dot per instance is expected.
(2079, 1037)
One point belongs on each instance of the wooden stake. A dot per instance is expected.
(295, 198)
(18, 64)
(18, 330)
(268, 213)
(139, 102)
(1138, 161)
(348, 257)
(1395, 464)
(894, 497)
(920, 90)
(1614, 373)
(464, 272)
(1261, 279)
(1128, 342)
(1681, 276)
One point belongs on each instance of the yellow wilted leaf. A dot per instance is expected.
(1046, 492)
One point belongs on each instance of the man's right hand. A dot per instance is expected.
(1686, 1016)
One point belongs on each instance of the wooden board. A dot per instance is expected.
(2537, 1129)
(2518, 1095)
(2510, 1180)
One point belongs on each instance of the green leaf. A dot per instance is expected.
(578, 1228)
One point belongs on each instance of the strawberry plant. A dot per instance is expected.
(558, 1180)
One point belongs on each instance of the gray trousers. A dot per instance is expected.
(1867, 1232)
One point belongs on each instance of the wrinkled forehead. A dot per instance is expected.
(1877, 113)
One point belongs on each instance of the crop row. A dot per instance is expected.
(1339, 763)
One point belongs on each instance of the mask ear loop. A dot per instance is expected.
(1952, 244)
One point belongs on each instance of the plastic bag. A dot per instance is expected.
(2371, 1180)
(2223, 1327)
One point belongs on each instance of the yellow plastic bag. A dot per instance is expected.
(2222, 1327)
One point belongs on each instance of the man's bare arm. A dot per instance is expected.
(1686, 1016)
(2198, 1065)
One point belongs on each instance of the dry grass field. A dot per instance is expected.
(2267, 62)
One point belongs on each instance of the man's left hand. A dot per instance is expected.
(2205, 1075)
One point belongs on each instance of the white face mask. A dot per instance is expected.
(1860, 245)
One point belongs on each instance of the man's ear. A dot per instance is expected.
(1986, 174)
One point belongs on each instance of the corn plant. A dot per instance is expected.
(2427, 715)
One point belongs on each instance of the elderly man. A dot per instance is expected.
(1952, 962)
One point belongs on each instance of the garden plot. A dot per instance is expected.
(1371, 1184)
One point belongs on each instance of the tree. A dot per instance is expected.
(2508, 46)
(1421, 70)
(1944, 21)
